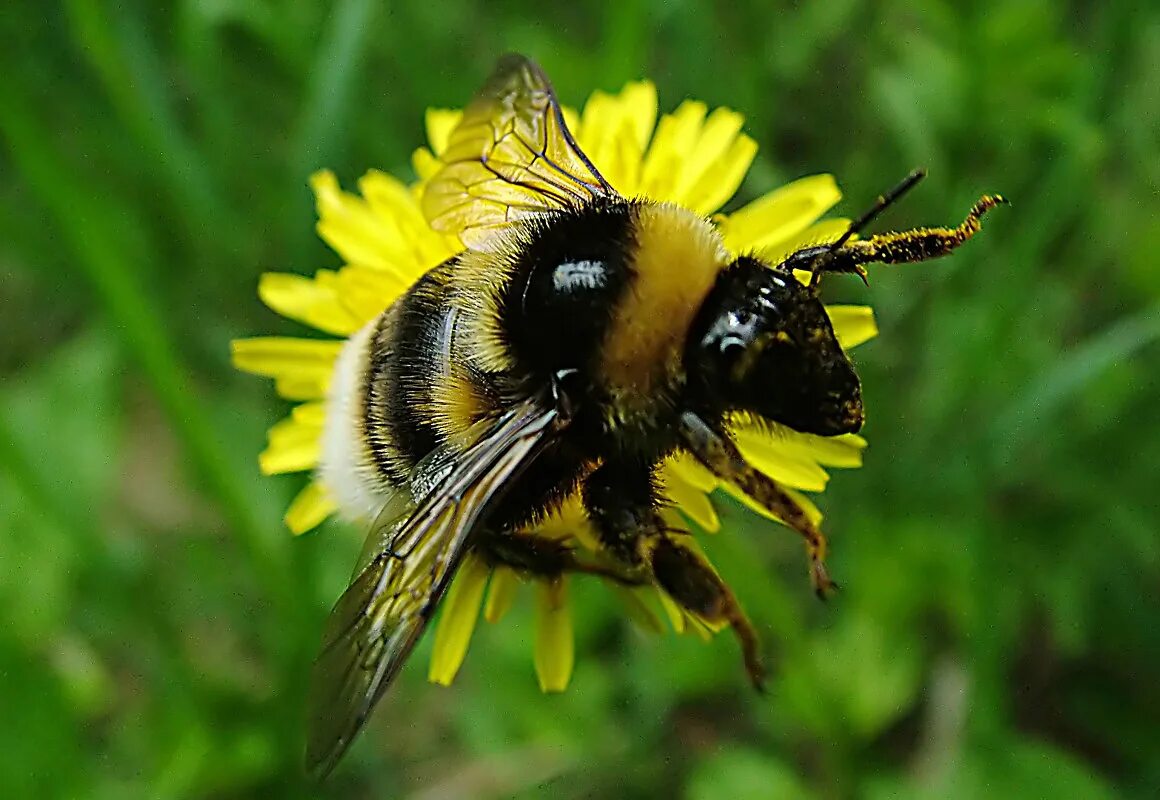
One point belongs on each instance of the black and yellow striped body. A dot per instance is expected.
(607, 293)
(578, 340)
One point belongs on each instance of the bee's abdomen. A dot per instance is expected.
(409, 369)
(380, 420)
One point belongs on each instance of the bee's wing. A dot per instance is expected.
(509, 158)
(412, 553)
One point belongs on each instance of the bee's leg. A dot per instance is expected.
(691, 581)
(528, 552)
(902, 247)
(623, 503)
(718, 453)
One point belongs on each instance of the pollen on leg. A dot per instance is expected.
(919, 244)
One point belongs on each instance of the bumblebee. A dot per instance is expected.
(579, 339)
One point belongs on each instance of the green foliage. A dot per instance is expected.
(999, 552)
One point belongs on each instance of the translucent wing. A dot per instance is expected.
(411, 555)
(511, 157)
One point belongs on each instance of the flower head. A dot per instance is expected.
(693, 157)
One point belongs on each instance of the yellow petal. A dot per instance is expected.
(347, 224)
(560, 524)
(691, 500)
(607, 139)
(678, 525)
(501, 593)
(393, 202)
(586, 536)
(569, 521)
(313, 414)
(554, 653)
(714, 167)
(302, 388)
(440, 123)
(306, 360)
(425, 164)
(598, 121)
(692, 472)
(605, 114)
(813, 514)
(309, 509)
(457, 620)
(720, 129)
(785, 465)
(824, 231)
(293, 447)
(614, 130)
(307, 301)
(286, 438)
(390, 199)
(831, 451)
(622, 157)
(778, 441)
(360, 234)
(675, 138)
(673, 611)
(853, 325)
(571, 118)
(774, 251)
(780, 214)
(366, 293)
(639, 102)
(722, 179)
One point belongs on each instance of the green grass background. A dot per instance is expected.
(998, 634)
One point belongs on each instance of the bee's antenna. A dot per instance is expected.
(881, 204)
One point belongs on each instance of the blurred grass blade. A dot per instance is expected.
(323, 122)
(1040, 406)
(14, 464)
(96, 233)
(117, 46)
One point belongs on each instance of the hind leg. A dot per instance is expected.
(531, 553)
(624, 505)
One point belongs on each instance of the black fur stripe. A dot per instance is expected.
(567, 280)
(406, 353)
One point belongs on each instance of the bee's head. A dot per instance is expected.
(762, 342)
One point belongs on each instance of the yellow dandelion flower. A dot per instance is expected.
(694, 157)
